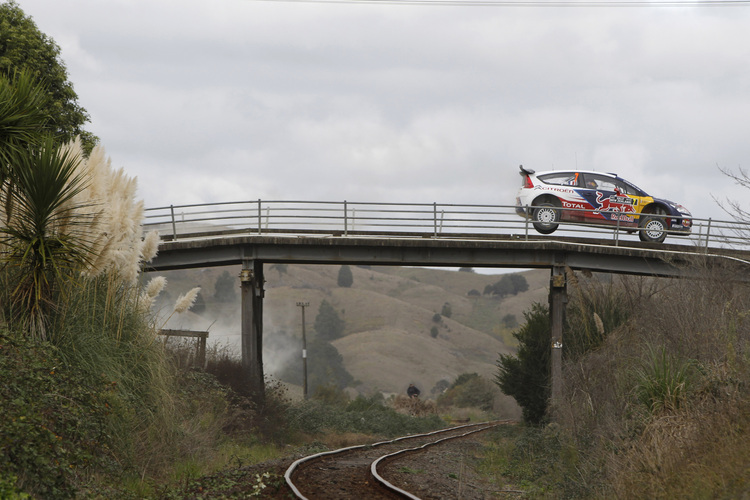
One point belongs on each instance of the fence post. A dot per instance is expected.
(174, 226)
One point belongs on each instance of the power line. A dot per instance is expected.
(541, 3)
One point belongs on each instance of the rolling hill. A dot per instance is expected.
(402, 325)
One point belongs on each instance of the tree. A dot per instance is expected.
(509, 321)
(325, 368)
(22, 119)
(328, 324)
(526, 376)
(346, 279)
(225, 288)
(24, 47)
(199, 305)
(509, 284)
(447, 311)
(518, 283)
(44, 236)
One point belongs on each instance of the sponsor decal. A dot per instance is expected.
(568, 204)
(616, 205)
(556, 189)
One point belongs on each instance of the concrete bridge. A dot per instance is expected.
(206, 240)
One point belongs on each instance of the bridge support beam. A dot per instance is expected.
(558, 299)
(251, 284)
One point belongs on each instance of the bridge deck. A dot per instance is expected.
(464, 251)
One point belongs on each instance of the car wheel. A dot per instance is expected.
(546, 218)
(653, 229)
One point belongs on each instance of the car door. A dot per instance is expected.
(610, 200)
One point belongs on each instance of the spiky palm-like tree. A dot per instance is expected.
(44, 240)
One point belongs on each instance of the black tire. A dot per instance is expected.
(653, 229)
(546, 218)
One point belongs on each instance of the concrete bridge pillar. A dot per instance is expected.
(251, 284)
(558, 299)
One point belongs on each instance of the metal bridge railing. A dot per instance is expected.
(438, 220)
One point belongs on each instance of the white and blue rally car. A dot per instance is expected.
(579, 196)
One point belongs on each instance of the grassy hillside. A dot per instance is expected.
(392, 335)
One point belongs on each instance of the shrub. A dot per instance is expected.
(469, 391)
(526, 376)
(662, 381)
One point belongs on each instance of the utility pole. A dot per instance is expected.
(304, 349)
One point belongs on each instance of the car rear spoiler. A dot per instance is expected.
(526, 171)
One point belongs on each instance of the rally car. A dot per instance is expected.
(578, 196)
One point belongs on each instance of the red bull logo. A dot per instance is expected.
(617, 205)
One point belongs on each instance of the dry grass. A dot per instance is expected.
(697, 449)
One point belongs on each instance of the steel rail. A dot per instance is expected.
(391, 487)
(295, 465)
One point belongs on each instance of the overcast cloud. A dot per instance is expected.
(227, 100)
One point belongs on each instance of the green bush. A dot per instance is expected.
(53, 428)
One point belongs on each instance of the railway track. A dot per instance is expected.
(357, 472)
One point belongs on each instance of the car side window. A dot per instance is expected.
(600, 182)
(624, 188)
(562, 178)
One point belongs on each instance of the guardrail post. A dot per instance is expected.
(260, 216)
(708, 231)
(617, 231)
(346, 221)
(526, 224)
(174, 226)
(434, 219)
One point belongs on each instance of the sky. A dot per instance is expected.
(231, 100)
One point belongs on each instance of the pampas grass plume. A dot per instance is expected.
(185, 302)
(150, 246)
(155, 286)
(599, 324)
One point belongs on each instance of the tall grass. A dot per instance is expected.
(101, 329)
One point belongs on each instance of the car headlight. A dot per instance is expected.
(680, 208)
